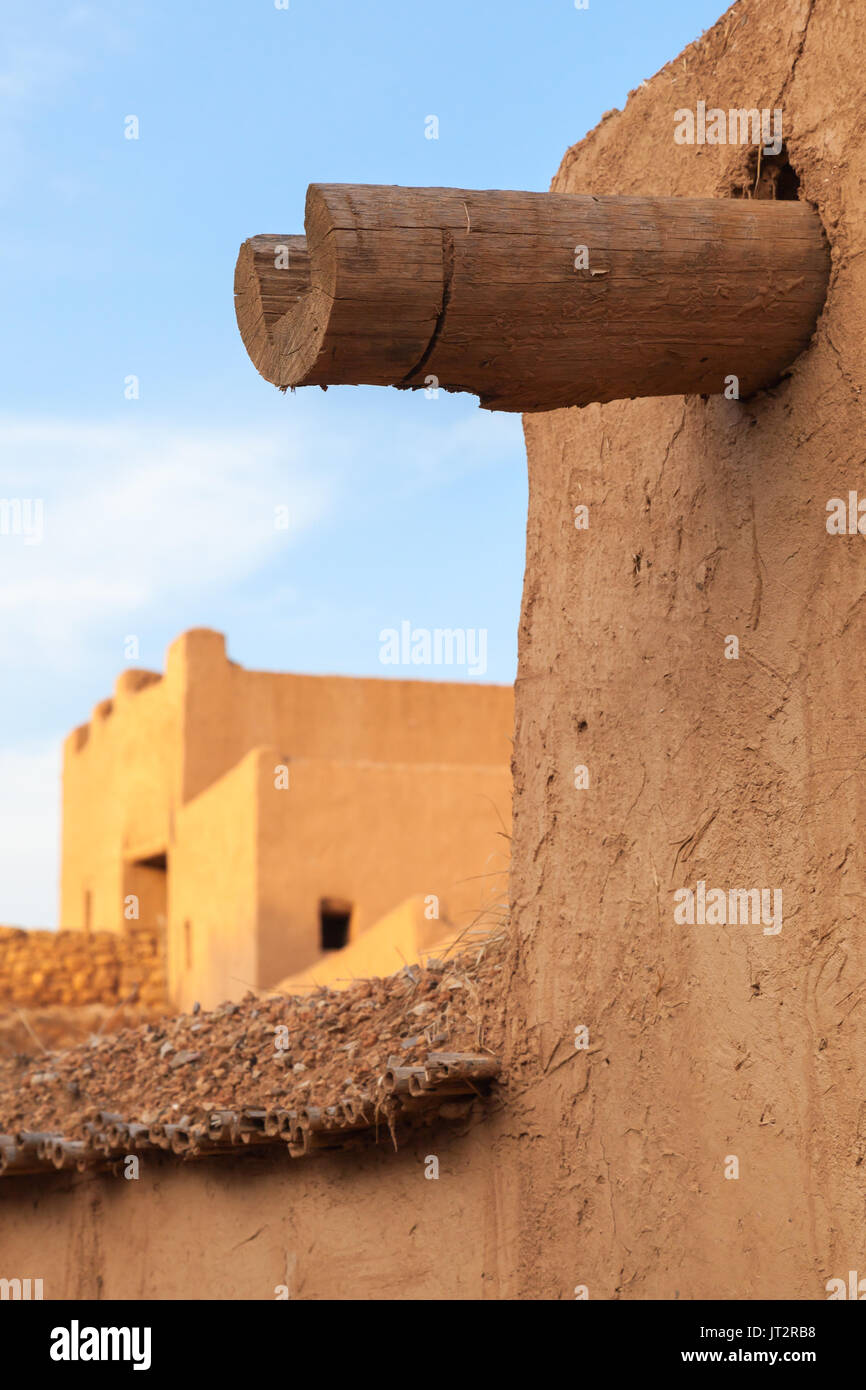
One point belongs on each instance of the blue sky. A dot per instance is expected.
(116, 259)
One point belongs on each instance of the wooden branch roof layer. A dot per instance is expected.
(490, 292)
(367, 1063)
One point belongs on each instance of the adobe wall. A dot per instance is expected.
(229, 710)
(120, 785)
(374, 834)
(237, 1229)
(213, 885)
(403, 936)
(706, 519)
(252, 861)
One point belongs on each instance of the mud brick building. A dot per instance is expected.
(261, 819)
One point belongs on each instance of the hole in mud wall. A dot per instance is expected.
(335, 915)
(768, 176)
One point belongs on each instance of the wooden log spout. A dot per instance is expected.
(533, 301)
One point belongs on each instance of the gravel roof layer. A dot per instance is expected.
(308, 1072)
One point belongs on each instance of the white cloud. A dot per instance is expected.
(136, 518)
(136, 521)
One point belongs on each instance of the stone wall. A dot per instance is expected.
(39, 969)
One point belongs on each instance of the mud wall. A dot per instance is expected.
(706, 520)
(403, 936)
(374, 834)
(120, 787)
(267, 1228)
(229, 710)
(212, 941)
(256, 852)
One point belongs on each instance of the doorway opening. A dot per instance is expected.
(145, 890)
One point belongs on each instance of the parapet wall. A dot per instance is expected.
(407, 1237)
(43, 968)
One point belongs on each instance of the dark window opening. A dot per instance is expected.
(335, 914)
(156, 861)
(88, 909)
